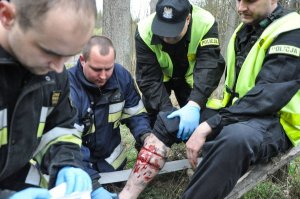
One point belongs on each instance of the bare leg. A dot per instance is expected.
(150, 161)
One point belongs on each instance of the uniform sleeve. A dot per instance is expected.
(149, 78)
(277, 82)
(63, 148)
(75, 96)
(209, 67)
(136, 118)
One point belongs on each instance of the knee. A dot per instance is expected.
(240, 137)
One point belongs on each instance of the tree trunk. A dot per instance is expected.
(117, 26)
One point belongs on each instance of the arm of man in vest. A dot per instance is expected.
(149, 78)
(207, 73)
(152, 156)
(277, 82)
(209, 67)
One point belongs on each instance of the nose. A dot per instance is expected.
(241, 6)
(57, 64)
(102, 74)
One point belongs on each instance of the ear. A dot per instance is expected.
(7, 14)
(81, 59)
(188, 18)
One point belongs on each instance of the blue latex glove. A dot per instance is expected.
(102, 193)
(32, 193)
(77, 180)
(189, 120)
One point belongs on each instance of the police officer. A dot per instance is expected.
(259, 115)
(105, 95)
(177, 49)
(36, 117)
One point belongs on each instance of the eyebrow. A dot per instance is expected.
(99, 69)
(51, 52)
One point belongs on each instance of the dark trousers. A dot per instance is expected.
(230, 152)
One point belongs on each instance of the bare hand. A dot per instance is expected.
(195, 143)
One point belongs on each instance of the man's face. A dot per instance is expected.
(45, 47)
(174, 40)
(98, 68)
(253, 11)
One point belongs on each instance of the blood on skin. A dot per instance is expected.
(144, 159)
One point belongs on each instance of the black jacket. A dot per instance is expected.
(207, 71)
(277, 82)
(32, 106)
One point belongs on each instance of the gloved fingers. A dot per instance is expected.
(186, 133)
(70, 180)
(60, 178)
(79, 184)
(114, 195)
(82, 181)
(174, 114)
(180, 130)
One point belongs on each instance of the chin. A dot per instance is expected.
(39, 72)
(247, 21)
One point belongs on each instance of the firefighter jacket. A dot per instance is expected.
(117, 102)
(196, 58)
(268, 79)
(36, 123)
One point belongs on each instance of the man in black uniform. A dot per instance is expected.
(177, 48)
(36, 117)
(258, 116)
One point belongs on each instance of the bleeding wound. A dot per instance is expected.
(148, 157)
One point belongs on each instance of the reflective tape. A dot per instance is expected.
(135, 109)
(117, 157)
(43, 117)
(57, 134)
(209, 42)
(35, 176)
(117, 107)
(285, 49)
(3, 127)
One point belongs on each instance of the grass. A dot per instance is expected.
(172, 185)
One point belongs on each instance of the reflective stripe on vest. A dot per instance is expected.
(289, 114)
(203, 21)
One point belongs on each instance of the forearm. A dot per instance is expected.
(149, 78)
(149, 162)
